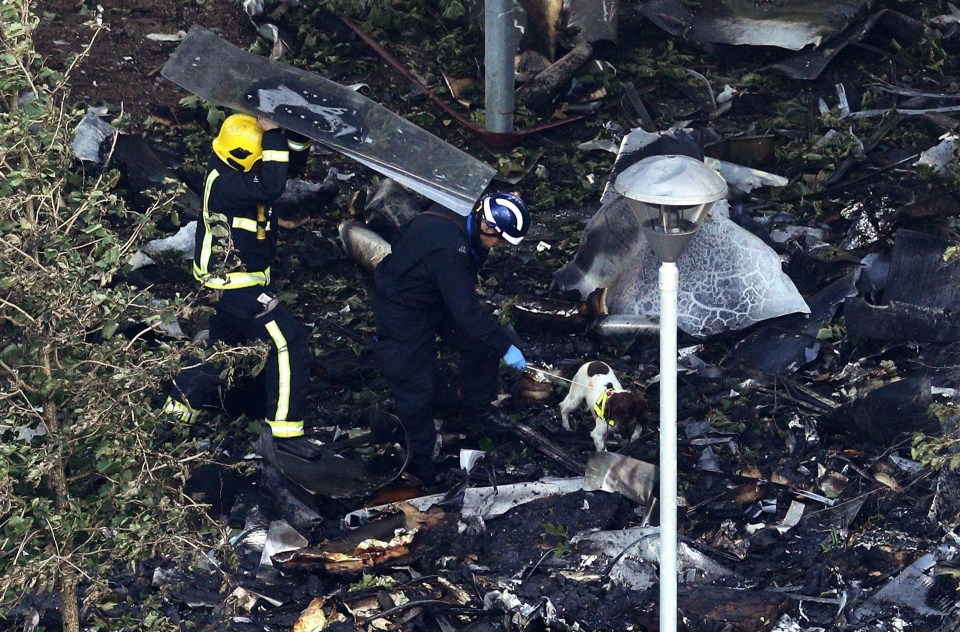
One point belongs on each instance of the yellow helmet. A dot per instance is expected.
(240, 141)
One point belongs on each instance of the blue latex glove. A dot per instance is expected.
(514, 359)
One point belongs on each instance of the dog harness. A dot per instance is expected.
(600, 407)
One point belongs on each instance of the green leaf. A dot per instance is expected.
(109, 329)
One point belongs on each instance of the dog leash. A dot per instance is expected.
(559, 377)
(599, 407)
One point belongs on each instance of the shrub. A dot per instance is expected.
(86, 488)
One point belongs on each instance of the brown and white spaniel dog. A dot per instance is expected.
(614, 409)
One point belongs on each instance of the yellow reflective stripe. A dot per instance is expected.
(206, 248)
(286, 429)
(276, 155)
(600, 407)
(283, 368)
(180, 410)
(231, 280)
(245, 223)
(295, 146)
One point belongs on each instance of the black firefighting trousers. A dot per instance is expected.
(408, 365)
(241, 317)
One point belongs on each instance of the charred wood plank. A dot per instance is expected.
(543, 88)
(550, 449)
(740, 610)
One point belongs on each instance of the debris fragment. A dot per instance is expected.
(617, 473)
(166, 37)
(181, 243)
(911, 586)
(920, 295)
(280, 537)
(90, 133)
(362, 244)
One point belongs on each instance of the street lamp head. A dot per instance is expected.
(670, 196)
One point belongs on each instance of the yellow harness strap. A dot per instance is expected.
(600, 407)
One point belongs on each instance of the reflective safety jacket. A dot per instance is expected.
(236, 243)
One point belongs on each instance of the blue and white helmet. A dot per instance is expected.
(507, 214)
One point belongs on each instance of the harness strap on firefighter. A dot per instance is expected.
(261, 222)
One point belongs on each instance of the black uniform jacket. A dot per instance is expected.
(430, 277)
(236, 241)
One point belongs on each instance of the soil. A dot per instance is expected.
(121, 69)
(837, 551)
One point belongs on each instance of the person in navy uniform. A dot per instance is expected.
(236, 242)
(426, 288)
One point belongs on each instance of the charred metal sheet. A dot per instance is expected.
(254, 535)
(536, 314)
(900, 322)
(141, 167)
(809, 64)
(486, 502)
(812, 27)
(885, 414)
(918, 273)
(329, 113)
(347, 466)
(921, 296)
(90, 133)
(792, 25)
(281, 537)
(628, 557)
(618, 473)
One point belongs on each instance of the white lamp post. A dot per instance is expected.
(670, 196)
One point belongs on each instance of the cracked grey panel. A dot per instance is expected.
(729, 279)
(329, 113)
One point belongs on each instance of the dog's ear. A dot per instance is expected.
(622, 407)
(628, 408)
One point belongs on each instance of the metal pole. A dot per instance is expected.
(669, 281)
(498, 64)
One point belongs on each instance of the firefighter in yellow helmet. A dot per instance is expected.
(235, 245)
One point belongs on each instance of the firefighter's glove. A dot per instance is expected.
(514, 359)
